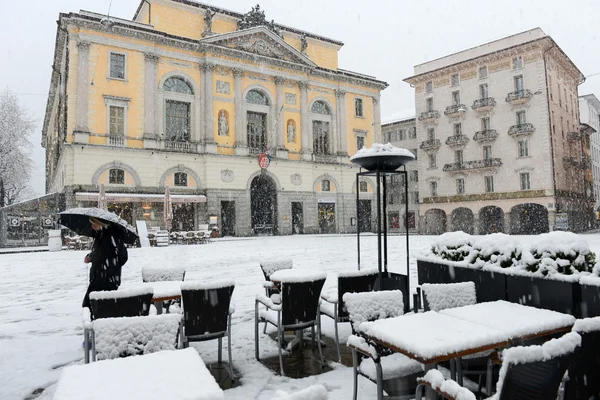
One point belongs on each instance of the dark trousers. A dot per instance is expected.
(96, 286)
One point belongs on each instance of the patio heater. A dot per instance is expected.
(382, 165)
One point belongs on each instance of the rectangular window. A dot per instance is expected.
(485, 123)
(525, 184)
(458, 156)
(117, 66)
(402, 134)
(483, 91)
(360, 142)
(550, 86)
(180, 179)
(483, 72)
(414, 151)
(518, 83)
(429, 87)
(394, 219)
(412, 132)
(177, 121)
(321, 137)
(325, 185)
(411, 219)
(457, 129)
(521, 118)
(489, 184)
(517, 62)
(523, 148)
(460, 186)
(487, 152)
(456, 98)
(414, 176)
(432, 161)
(402, 197)
(454, 80)
(363, 187)
(431, 134)
(429, 104)
(116, 176)
(117, 121)
(433, 189)
(415, 197)
(358, 107)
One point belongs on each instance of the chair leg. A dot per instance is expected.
(220, 350)
(279, 339)
(319, 341)
(86, 344)
(231, 376)
(459, 374)
(337, 339)
(419, 392)
(93, 346)
(379, 379)
(355, 370)
(256, 330)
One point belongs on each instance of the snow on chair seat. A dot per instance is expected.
(157, 274)
(129, 336)
(441, 296)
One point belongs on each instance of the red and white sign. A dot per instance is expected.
(264, 161)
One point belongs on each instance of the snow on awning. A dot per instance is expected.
(141, 197)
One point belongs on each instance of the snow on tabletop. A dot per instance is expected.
(360, 343)
(131, 378)
(394, 366)
(314, 392)
(448, 386)
(379, 149)
(431, 335)
(271, 266)
(121, 293)
(441, 296)
(515, 319)
(203, 285)
(156, 274)
(527, 354)
(297, 275)
(369, 306)
(587, 325)
(352, 273)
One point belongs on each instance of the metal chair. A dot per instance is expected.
(269, 268)
(532, 372)
(368, 359)
(296, 310)
(334, 307)
(207, 313)
(584, 378)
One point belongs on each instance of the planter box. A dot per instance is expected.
(564, 297)
(431, 272)
(590, 301)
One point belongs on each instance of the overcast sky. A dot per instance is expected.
(384, 38)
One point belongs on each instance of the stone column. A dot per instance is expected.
(209, 120)
(305, 122)
(376, 119)
(340, 96)
(241, 139)
(83, 49)
(150, 82)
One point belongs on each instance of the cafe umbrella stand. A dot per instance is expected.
(383, 161)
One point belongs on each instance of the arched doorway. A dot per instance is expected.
(491, 220)
(435, 222)
(263, 205)
(529, 219)
(461, 219)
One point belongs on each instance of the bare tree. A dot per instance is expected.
(16, 127)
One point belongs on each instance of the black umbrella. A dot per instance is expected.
(78, 220)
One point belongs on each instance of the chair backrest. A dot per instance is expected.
(154, 274)
(535, 372)
(269, 267)
(130, 336)
(441, 296)
(121, 303)
(584, 381)
(300, 301)
(371, 306)
(206, 307)
(353, 282)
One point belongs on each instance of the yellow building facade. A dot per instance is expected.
(190, 96)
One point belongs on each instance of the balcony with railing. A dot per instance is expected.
(181, 146)
(116, 141)
(519, 97)
(486, 135)
(455, 110)
(489, 163)
(574, 136)
(521, 130)
(457, 140)
(429, 115)
(483, 105)
(431, 144)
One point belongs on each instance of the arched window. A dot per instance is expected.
(116, 176)
(178, 85)
(320, 107)
(255, 96)
(181, 179)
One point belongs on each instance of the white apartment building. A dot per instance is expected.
(402, 132)
(589, 109)
(500, 134)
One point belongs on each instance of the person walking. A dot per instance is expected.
(108, 255)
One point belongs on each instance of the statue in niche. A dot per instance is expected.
(303, 44)
(208, 18)
(223, 125)
(291, 132)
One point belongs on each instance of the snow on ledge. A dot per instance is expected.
(202, 285)
(297, 275)
(357, 273)
(378, 149)
(587, 325)
(121, 294)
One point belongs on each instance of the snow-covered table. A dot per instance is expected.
(135, 378)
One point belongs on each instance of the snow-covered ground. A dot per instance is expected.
(40, 305)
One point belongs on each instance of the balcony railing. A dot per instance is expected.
(521, 129)
(574, 136)
(427, 115)
(117, 141)
(254, 151)
(180, 146)
(519, 97)
(485, 104)
(455, 110)
(431, 144)
(457, 140)
(471, 165)
(487, 135)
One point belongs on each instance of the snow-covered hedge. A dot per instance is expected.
(553, 254)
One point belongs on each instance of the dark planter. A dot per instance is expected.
(393, 281)
(431, 272)
(564, 297)
(590, 301)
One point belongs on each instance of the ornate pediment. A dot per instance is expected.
(260, 41)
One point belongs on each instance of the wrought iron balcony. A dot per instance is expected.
(181, 146)
(431, 144)
(455, 110)
(570, 162)
(487, 135)
(428, 115)
(521, 130)
(485, 104)
(519, 97)
(457, 140)
(489, 163)
(574, 136)
(117, 141)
